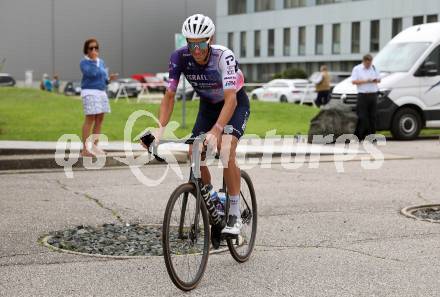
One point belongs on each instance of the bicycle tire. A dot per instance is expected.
(233, 245)
(190, 190)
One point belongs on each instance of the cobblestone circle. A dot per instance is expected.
(110, 239)
(429, 213)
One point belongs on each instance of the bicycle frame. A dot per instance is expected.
(196, 179)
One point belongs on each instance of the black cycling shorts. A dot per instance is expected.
(209, 113)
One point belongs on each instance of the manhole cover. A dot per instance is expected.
(111, 240)
(430, 213)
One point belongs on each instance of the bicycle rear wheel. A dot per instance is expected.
(185, 246)
(241, 248)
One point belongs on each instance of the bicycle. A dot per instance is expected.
(186, 237)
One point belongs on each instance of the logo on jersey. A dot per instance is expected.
(200, 77)
(229, 59)
(230, 84)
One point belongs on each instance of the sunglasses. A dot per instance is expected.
(203, 45)
(93, 48)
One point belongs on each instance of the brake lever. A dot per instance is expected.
(148, 140)
(155, 154)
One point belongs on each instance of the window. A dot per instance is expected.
(286, 42)
(271, 43)
(399, 57)
(397, 26)
(263, 5)
(277, 84)
(243, 44)
(336, 37)
(374, 36)
(432, 18)
(319, 39)
(236, 6)
(319, 2)
(302, 41)
(257, 43)
(356, 37)
(434, 57)
(417, 20)
(294, 3)
(231, 41)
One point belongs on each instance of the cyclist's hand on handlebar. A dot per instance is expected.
(148, 138)
(212, 137)
(150, 141)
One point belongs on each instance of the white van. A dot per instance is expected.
(409, 97)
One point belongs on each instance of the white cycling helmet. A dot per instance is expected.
(198, 26)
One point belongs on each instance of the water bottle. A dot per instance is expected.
(222, 203)
(214, 196)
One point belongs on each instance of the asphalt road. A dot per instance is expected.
(320, 233)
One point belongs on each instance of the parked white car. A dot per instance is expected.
(286, 90)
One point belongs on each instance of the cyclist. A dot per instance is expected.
(213, 72)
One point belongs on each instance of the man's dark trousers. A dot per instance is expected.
(322, 98)
(366, 108)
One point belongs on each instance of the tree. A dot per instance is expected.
(291, 73)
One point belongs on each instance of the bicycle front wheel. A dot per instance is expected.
(241, 248)
(185, 244)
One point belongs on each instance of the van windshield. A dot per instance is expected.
(399, 57)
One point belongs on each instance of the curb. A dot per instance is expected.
(32, 164)
(47, 161)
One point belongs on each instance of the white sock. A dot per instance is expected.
(234, 208)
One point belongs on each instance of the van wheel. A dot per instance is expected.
(283, 99)
(406, 125)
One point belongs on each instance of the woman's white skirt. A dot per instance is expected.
(95, 101)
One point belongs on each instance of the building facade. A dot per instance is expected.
(47, 36)
(269, 36)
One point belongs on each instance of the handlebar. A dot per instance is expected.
(149, 141)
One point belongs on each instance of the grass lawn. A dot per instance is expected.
(28, 114)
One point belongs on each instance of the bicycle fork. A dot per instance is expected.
(195, 178)
(214, 217)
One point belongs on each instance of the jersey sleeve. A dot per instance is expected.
(229, 71)
(175, 70)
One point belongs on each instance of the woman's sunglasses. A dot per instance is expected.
(203, 45)
(93, 48)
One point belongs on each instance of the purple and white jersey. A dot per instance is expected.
(210, 80)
